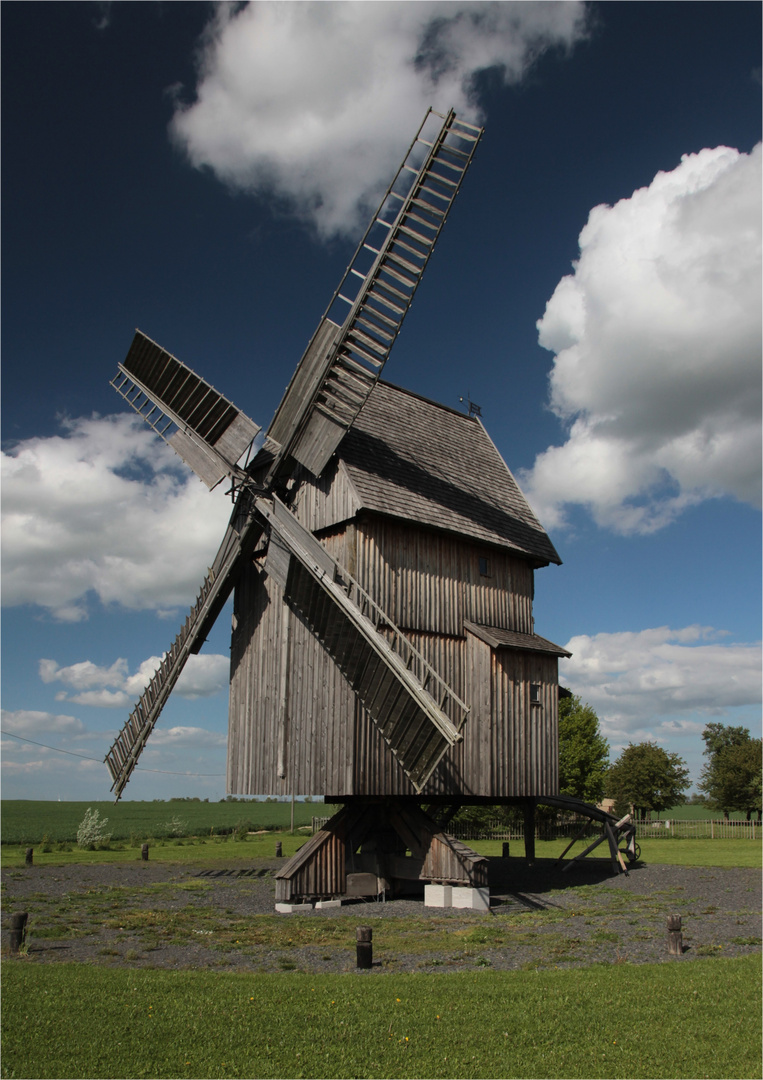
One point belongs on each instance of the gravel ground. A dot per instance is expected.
(164, 916)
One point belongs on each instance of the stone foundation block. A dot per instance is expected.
(476, 899)
(438, 896)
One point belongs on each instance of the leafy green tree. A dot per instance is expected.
(731, 779)
(645, 778)
(583, 751)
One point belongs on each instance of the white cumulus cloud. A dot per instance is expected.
(654, 683)
(179, 737)
(104, 508)
(657, 343)
(316, 102)
(114, 687)
(28, 722)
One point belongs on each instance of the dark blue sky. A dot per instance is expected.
(107, 227)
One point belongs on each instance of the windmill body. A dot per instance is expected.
(421, 510)
(382, 559)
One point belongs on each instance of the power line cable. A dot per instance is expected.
(140, 768)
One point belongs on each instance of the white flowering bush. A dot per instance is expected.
(92, 830)
(176, 827)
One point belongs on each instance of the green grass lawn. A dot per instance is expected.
(670, 851)
(221, 849)
(698, 1019)
(207, 850)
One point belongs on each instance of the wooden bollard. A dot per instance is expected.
(279, 849)
(18, 930)
(144, 852)
(675, 937)
(29, 856)
(364, 946)
(506, 849)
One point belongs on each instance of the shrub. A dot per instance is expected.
(176, 827)
(241, 829)
(91, 832)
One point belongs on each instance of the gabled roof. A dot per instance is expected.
(497, 638)
(410, 458)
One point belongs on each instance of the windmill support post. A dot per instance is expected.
(528, 813)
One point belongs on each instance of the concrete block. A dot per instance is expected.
(320, 904)
(476, 899)
(438, 895)
(292, 909)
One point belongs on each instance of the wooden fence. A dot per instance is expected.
(658, 830)
(700, 828)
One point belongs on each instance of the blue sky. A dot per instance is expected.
(204, 173)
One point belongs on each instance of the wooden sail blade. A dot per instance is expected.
(348, 351)
(205, 429)
(239, 540)
(416, 712)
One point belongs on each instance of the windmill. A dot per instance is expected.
(329, 695)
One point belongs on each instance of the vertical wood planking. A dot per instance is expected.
(332, 747)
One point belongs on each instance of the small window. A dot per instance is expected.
(535, 694)
(484, 567)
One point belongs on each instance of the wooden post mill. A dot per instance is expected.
(381, 556)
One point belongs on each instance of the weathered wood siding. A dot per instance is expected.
(430, 581)
(327, 501)
(295, 724)
(510, 745)
(289, 703)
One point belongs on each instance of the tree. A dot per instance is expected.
(731, 779)
(645, 778)
(583, 751)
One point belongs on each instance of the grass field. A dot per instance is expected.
(669, 1020)
(222, 849)
(674, 1019)
(28, 821)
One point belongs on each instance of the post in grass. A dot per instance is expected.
(364, 946)
(675, 937)
(17, 934)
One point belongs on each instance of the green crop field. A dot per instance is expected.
(28, 822)
(669, 1020)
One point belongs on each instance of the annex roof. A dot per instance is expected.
(497, 638)
(410, 458)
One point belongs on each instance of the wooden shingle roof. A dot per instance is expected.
(498, 638)
(410, 458)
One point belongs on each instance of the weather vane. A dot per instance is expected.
(472, 408)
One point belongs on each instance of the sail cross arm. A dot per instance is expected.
(418, 715)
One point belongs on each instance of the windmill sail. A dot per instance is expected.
(205, 429)
(239, 540)
(417, 714)
(349, 349)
